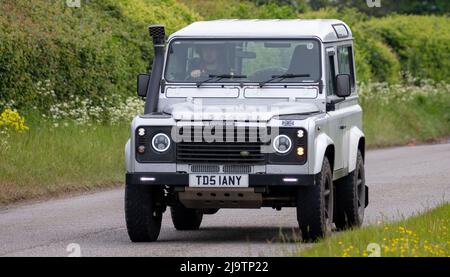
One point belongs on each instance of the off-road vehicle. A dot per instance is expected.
(248, 114)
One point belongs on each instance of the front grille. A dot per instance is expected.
(244, 148)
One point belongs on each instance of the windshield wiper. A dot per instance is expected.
(281, 77)
(218, 77)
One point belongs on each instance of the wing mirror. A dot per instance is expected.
(142, 84)
(343, 85)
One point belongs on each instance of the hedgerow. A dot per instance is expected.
(94, 52)
(421, 43)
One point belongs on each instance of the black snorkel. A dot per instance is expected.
(157, 33)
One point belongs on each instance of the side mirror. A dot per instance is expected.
(142, 84)
(343, 85)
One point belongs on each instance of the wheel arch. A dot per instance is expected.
(127, 156)
(330, 154)
(362, 147)
(324, 146)
(357, 141)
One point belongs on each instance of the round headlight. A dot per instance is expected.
(282, 144)
(161, 142)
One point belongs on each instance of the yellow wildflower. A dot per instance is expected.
(11, 120)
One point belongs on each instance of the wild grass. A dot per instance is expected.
(423, 235)
(407, 113)
(47, 161)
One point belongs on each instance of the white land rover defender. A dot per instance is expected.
(248, 114)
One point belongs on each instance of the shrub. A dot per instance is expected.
(422, 43)
(228, 9)
(93, 52)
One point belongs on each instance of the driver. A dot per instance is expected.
(208, 63)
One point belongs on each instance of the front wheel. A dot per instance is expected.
(315, 206)
(142, 216)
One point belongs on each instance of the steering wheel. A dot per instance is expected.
(202, 75)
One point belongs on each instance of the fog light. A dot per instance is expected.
(141, 149)
(300, 151)
(300, 133)
(161, 142)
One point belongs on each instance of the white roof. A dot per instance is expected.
(272, 28)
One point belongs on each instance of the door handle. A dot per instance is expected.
(342, 127)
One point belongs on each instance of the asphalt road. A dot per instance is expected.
(402, 181)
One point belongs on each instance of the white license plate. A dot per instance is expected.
(218, 180)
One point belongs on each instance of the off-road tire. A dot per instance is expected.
(186, 219)
(351, 197)
(315, 206)
(209, 211)
(142, 218)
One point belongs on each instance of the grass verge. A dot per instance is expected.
(423, 235)
(48, 161)
(403, 114)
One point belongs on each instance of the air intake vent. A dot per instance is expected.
(205, 168)
(239, 169)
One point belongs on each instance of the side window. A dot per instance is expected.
(331, 75)
(345, 62)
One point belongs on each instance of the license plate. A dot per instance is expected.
(218, 180)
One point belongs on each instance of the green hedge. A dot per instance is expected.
(421, 43)
(96, 51)
(219, 9)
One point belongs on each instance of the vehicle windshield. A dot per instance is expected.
(250, 60)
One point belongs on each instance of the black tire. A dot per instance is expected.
(186, 219)
(351, 197)
(209, 211)
(143, 220)
(315, 206)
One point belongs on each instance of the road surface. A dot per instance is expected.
(402, 181)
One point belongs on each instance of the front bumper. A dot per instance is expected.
(255, 180)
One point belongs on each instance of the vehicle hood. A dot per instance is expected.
(240, 112)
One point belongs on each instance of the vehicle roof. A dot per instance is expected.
(267, 28)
